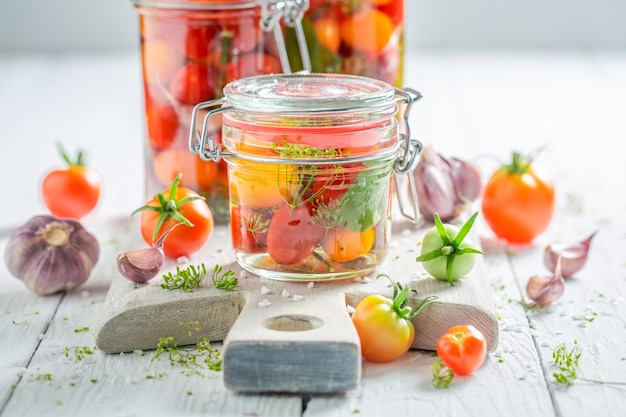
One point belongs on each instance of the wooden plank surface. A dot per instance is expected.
(475, 104)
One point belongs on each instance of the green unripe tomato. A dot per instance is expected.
(461, 255)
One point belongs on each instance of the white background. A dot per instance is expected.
(93, 25)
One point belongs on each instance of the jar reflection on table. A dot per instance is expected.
(361, 37)
(189, 51)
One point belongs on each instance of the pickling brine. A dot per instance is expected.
(190, 49)
(362, 37)
(310, 164)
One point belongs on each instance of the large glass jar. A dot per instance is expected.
(362, 37)
(190, 49)
(310, 162)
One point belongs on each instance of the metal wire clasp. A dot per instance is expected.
(291, 13)
(199, 141)
(412, 148)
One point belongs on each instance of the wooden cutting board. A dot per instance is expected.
(287, 336)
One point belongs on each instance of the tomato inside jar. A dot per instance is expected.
(189, 51)
(310, 163)
(361, 37)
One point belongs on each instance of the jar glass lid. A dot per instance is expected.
(308, 93)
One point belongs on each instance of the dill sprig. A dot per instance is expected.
(225, 281)
(442, 375)
(79, 351)
(186, 279)
(567, 364)
(194, 358)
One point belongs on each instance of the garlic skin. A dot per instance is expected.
(445, 185)
(545, 291)
(140, 265)
(573, 256)
(51, 254)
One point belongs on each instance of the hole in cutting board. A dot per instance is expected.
(293, 322)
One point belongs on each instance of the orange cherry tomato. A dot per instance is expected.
(345, 245)
(196, 173)
(369, 30)
(261, 185)
(384, 334)
(327, 31)
(462, 349)
(518, 201)
(72, 192)
(384, 324)
(180, 202)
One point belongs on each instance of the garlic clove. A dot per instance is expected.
(573, 256)
(445, 186)
(140, 265)
(545, 291)
(435, 191)
(466, 179)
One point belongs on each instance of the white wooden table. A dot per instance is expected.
(476, 105)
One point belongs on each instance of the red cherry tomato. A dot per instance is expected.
(462, 349)
(249, 228)
(162, 124)
(192, 84)
(180, 204)
(72, 192)
(256, 63)
(291, 235)
(518, 201)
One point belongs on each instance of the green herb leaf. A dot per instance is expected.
(365, 200)
(186, 279)
(192, 359)
(226, 281)
(442, 375)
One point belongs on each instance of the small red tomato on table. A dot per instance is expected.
(71, 192)
(462, 350)
(171, 207)
(518, 200)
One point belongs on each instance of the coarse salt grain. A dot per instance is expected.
(284, 293)
(349, 309)
(265, 290)
(182, 260)
(243, 274)
(264, 303)
(310, 285)
(84, 294)
(297, 297)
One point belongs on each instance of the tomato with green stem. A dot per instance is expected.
(446, 252)
(384, 324)
(518, 200)
(72, 192)
(170, 207)
(462, 349)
